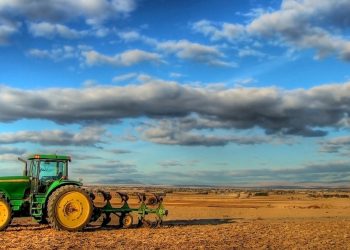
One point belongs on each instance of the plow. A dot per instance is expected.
(45, 193)
(152, 206)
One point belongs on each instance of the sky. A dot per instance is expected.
(187, 92)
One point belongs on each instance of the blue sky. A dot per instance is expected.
(179, 92)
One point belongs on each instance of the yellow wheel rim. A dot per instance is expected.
(4, 213)
(73, 209)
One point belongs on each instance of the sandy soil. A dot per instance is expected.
(209, 221)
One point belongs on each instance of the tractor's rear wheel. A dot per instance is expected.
(5, 214)
(69, 208)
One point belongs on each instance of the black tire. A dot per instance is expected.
(126, 220)
(5, 214)
(73, 215)
(43, 221)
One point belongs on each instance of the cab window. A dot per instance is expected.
(50, 170)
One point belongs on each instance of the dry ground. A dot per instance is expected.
(210, 221)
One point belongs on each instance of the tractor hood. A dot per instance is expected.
(14, 187)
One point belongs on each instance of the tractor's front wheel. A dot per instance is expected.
(5, 214)
(69, 208)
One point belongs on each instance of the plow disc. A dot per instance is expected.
(150, 212)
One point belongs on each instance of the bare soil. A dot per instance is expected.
(209, 221)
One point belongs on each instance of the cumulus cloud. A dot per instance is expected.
(223, 31)
(180, 132)
(126, 58)
(92, 11)
(55, 54)
(50, 30)
(249, 52)
(304, 112)
(302, 24)
(46, 18)
(8, 153)
(4, 150)
(88, 136)
(132, 36)
(299, 23)
(335, 145)
(194, 51)
(182, 49)
(7, 29)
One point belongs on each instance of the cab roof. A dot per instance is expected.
(49, 157)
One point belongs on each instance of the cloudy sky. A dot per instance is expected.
(179, 92)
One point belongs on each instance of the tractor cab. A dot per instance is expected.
(45, 169)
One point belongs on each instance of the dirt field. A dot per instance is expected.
(212, 220)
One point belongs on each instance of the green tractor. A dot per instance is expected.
(45, 193)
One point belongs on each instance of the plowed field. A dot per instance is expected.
(209, 221)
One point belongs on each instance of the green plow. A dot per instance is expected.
(152, 206)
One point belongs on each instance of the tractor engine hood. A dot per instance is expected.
(14, 187)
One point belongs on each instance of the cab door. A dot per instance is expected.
(34, 175)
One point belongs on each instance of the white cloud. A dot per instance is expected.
(49, 30)
(125, 77)
(87, 56)
(56, 54)
(302, 24)
(336, 145)
(225, 31)
(126, 58)
(180, 132)
(303, 112)
(246, 52)
(46, 18)
(11, 150)
(132, 36)
(129, 35)
(93, 11)
(195, 52)
(182, 49)
(244, 81)
(299, 23)
(100, 31)
(88, 136)
(175, 75)
(7, 29)
(123, 6)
